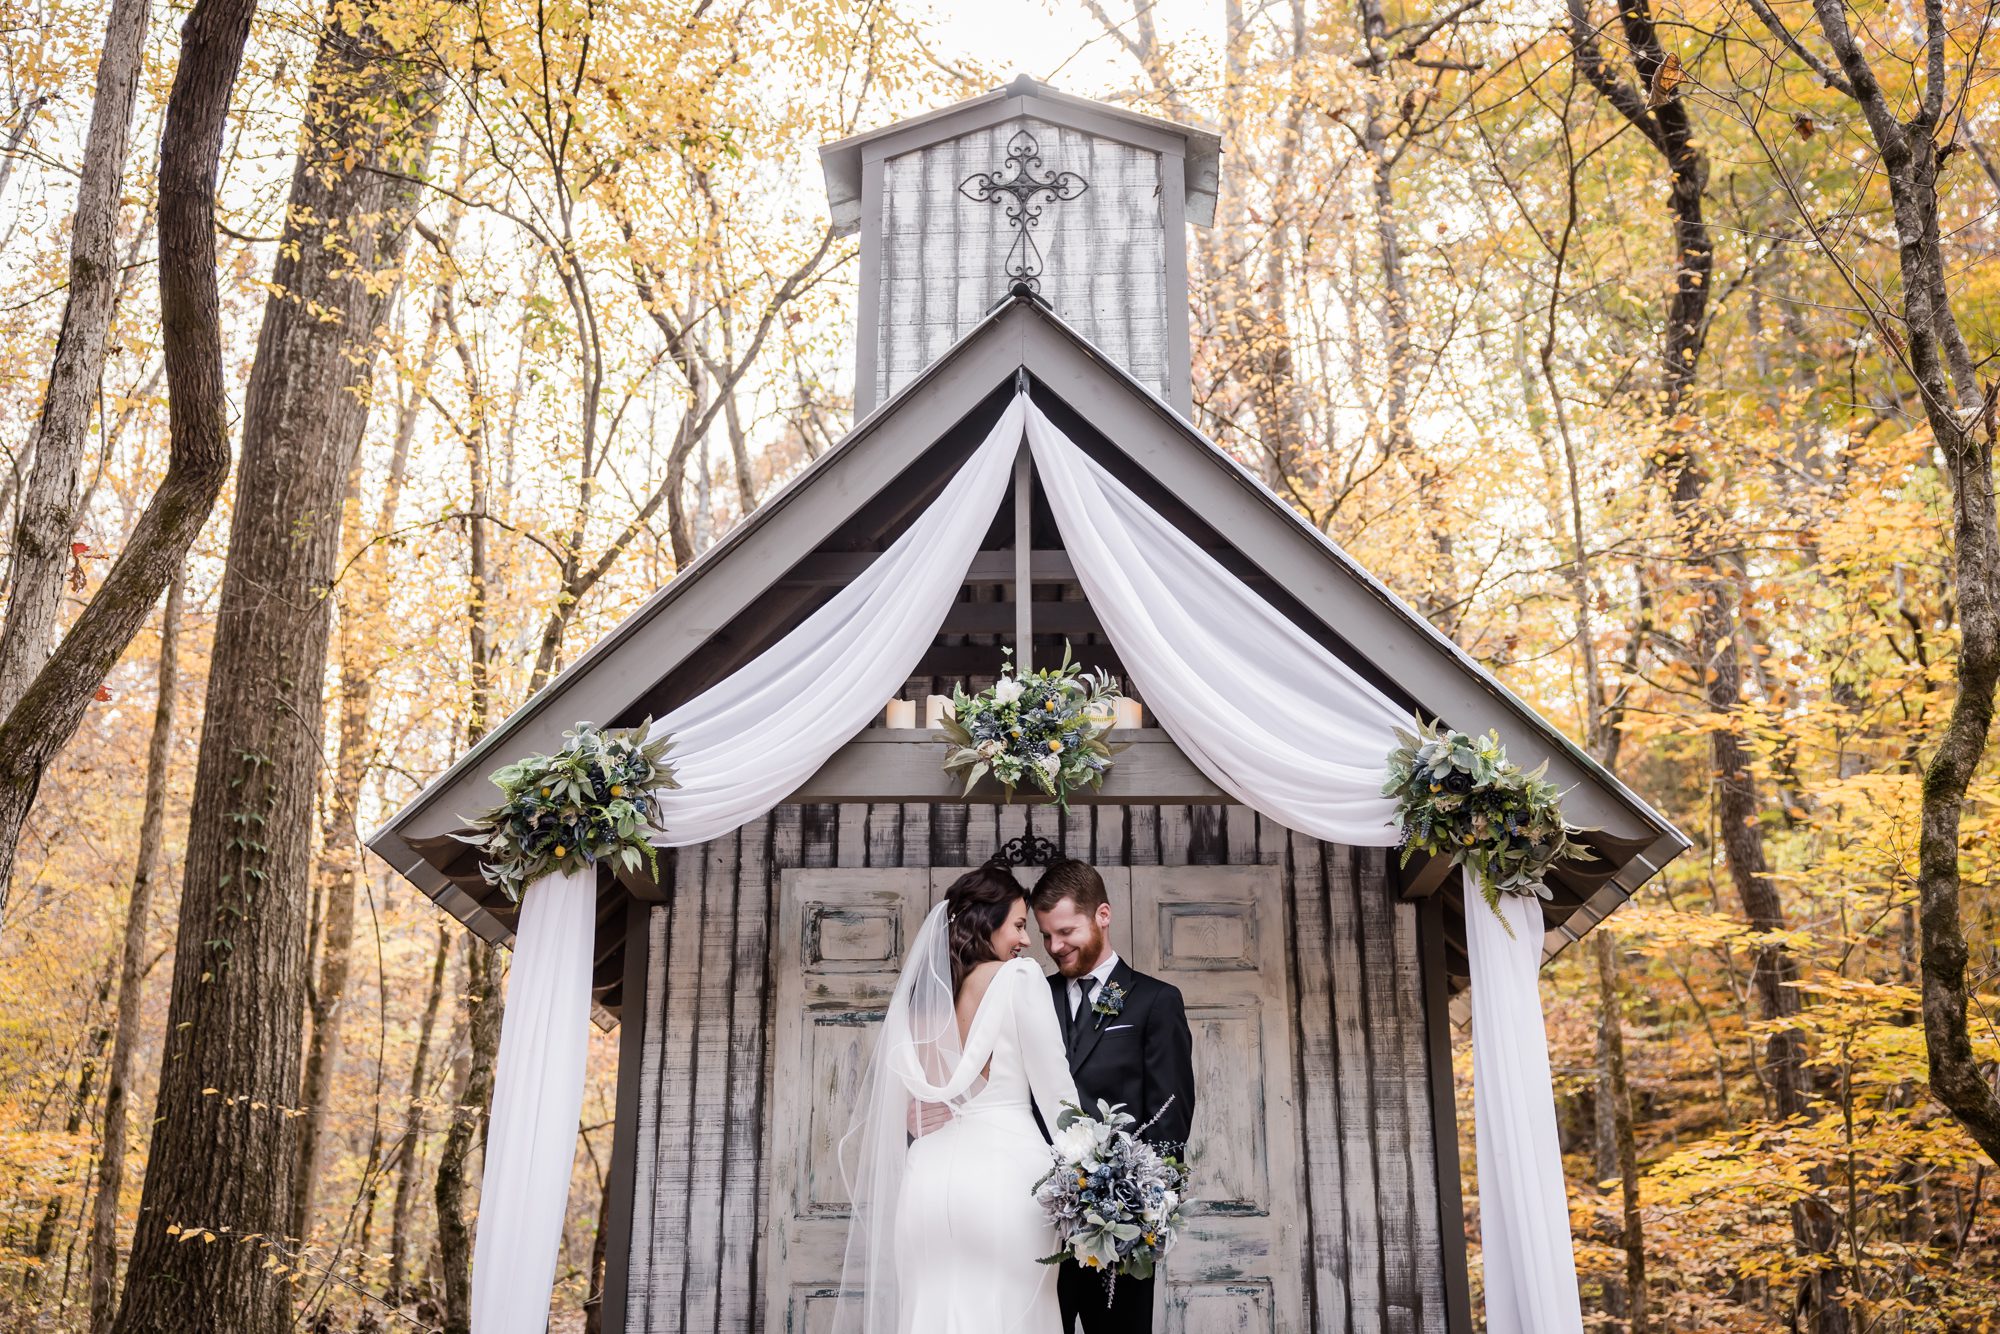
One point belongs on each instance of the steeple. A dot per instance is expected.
(1082, 204)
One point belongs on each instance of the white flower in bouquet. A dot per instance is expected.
(1006, 690)
(1076, 1141)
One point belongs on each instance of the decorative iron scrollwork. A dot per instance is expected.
(1018, 189)
(1029, 850)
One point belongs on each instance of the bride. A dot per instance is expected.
(946, 1236)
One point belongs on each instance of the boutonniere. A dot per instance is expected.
(1110, 999)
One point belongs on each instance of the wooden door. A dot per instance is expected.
(1214, 932)
(1218, 933)
(841, 938)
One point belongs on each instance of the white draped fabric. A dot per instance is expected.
(753, 739)
(537, 1098)
(1523, 1207)
(1269, 714)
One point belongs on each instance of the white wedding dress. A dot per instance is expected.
(946, 1235)
(969, 1233)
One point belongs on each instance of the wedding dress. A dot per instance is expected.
(946, 1236)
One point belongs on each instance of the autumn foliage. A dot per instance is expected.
(1640, 417)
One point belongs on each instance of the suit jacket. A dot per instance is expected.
(1143, 1056)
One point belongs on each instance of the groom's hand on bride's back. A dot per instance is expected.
(927, 1118)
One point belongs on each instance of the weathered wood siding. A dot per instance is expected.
(1362, 1043)
(944, 256)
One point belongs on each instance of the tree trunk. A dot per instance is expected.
(48, 517)
(593, 1303)
(80, 1098)
(406, 1165)
(1963, 423)
(467, 1120)
(223, 1147)
(340, 843)
(52, 706)
(1617, 1154)
(103, 1249)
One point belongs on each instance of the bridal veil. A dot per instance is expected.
(917, 1058)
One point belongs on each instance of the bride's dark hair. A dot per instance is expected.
(975, 906)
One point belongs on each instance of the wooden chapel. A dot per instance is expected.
(1028, 234)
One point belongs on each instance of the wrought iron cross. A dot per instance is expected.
(1022, 193)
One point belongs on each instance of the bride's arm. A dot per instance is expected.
(1042, 1054)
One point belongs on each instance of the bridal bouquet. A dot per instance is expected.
(1115, 1200)
(1044, 728)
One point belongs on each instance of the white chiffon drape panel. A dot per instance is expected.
(1523, 1206)
(1270, 715)
(537, 1098)
(753, 739)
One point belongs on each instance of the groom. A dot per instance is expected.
(1129, 1043)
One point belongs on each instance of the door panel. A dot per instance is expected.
(1216, 932)
(840, 942)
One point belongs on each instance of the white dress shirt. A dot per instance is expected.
(1099, 973)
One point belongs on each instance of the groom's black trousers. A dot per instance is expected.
(1081, 1292)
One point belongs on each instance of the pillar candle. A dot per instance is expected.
(900, 713)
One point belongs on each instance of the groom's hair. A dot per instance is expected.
(1069, 879)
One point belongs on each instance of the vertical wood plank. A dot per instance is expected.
(1320, 1079)
(1390, 1060)
(982, 834)
(749, 1035)
(672, 1143)
(916, 833)
(1239, 832)
(786, 850)
(948, 834)
(1444, 1116)
(640, 1278)
(1114, 829)
(819, 834)
(1142, 835)
(1207, 841)
(1175, 832)
(619, 1192)
(701, 1301)
(850, 839)
(883, 835)
(1414, 1041)
(1079, 831)
(1356, 1093)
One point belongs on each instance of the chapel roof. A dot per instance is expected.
(760, 579)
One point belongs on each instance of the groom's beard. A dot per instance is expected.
(1081, 960)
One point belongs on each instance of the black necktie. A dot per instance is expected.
(1084, 986)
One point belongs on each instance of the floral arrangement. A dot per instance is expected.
(1044, 728)
(594, 799)
(1459, 795)
(1115, 1201)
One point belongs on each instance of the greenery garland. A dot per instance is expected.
(1460, 796)
(1044, 728)
(596, 798)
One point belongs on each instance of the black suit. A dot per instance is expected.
(1143, 1057)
